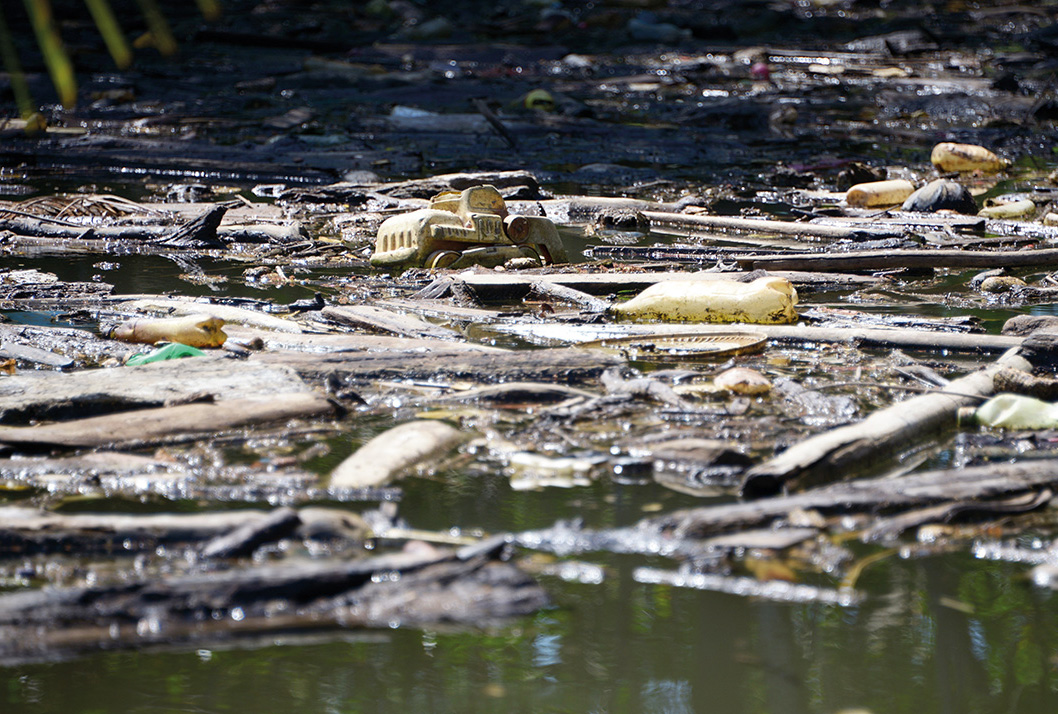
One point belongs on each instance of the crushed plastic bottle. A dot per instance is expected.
(949, 156)
(194, 330)
(1016, 411)
(173, 350)
(767, 300)
(879, 193)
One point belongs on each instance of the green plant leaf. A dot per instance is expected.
(59, 67)
(111, 32)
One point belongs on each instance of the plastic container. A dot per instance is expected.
(1007, 208)
(173, 350)
(1016, 411)
(767, 300)
(880, 193)
(948, 156)
(193, 330)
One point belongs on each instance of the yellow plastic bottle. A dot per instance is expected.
(767, 300)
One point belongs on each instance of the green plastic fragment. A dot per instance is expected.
(173, 350)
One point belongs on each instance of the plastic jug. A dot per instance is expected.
(1016, 411)
(767, 300)
(194, 330)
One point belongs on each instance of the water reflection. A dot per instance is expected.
(939, 635)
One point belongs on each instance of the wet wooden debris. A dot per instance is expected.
(419, 587)
(878, 439)
(53, 395)
(378, 319)
(562, 365)
(144, 427)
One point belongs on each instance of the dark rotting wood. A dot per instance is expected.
(245, 539)
(199, 233)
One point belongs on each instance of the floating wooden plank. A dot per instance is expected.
(345, 342)
(470, 585)
(379, 319)
(896, 259)
(505, 286)
(877, 338)
(690, 224)
(563, 365)
(874, 495)
(54, 395)
(153, 426)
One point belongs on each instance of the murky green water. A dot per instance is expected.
(936, 635)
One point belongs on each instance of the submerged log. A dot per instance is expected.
(878, 439)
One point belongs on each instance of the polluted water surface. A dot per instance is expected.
(326, 380)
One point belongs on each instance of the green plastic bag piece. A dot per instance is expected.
(173, 350)
(1016, 411)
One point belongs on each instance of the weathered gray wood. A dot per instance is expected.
(425, 586)
(893, 259)
(228, 313)
(150, 426)
(507, 286)
(52, 395)
(345, 342)
(564, 365)
(25, 531)
(921, 490)
(887, 338)
(879, 438)
(541, 289)
(379, 319)
(684, 224)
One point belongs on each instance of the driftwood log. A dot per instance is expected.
(878, 439)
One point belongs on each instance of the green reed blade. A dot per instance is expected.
(159, 27)
(55, 58)
(111, 32)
